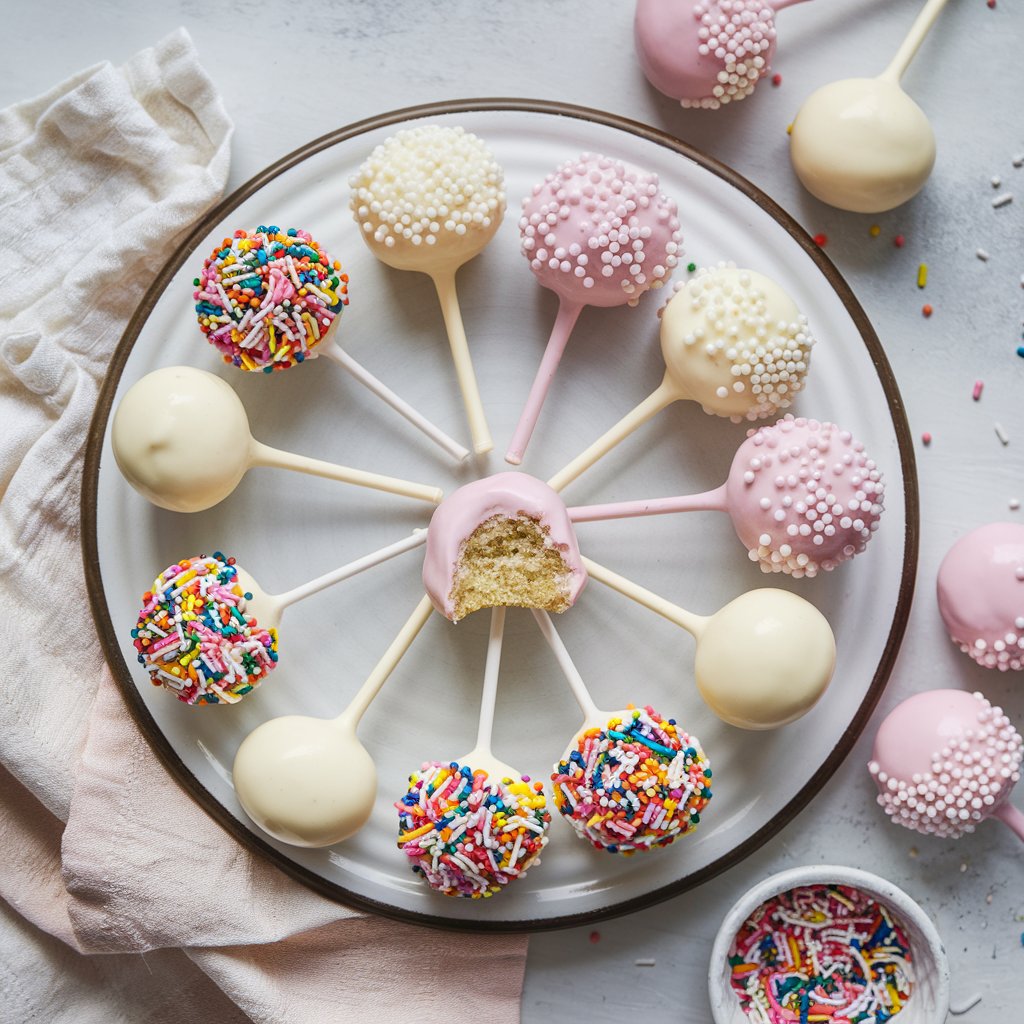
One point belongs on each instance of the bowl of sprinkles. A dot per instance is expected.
(825, 944)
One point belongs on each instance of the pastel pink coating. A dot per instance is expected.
(944, 760)
(507, 494)
(981, 595)
(803, 496)
(600, 232)
(705, 53)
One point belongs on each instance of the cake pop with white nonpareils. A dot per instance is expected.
(598, 232)
(505, 540)
(429, 199)
(706, 53)
(945, 760)
(272, 298)
(981, 595)
(733, 341)
(474, 825)
(209, 633)
(803, 496)
(309, 781)
(629, 780)
(181, 438)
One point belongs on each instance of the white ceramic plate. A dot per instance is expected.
(286, 528)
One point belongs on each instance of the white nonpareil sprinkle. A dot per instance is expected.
(1001, 434)
(981, 254)
(1006, 197)
(1014, 504)
(996, 181)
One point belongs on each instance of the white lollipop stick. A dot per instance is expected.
(330, 348)
(480, 756)
(268, 608)
(909, 47)
(309, 781)
(444, 282)
(591, 713)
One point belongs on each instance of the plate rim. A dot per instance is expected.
(169, 757)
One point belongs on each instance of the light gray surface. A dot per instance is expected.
(364, 58)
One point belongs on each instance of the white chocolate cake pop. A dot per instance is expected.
(505, 540)
(944, 760)
(981, 595)
(706, 53)
(735, 342)
(429, 199)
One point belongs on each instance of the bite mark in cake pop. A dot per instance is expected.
(599, 231)
(736, 342)
(194, 638)
(638, 783)
(265, 298)
(803, 496)
(428, 188)
(981, 595)
(469, 833)
(945, 760)
(505, 540)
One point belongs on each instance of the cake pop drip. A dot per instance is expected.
(946, 760)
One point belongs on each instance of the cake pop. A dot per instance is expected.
(503, 540)
(732, 341)
(473, 825)
(429, 199)
(167, 454)
(802, 495)
(945, 760)
(762, 661)
(706, 53)
(208, 632)
(629, 780)
(863, 144)
(981, 595)
(270, 299)
(597, 232)
(309, 781)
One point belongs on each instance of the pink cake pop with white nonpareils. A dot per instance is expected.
(597, 232)
(803, 496)
(709, 52)
(945, 760)
(981, 595)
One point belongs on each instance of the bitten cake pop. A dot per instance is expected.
(429, 199)
(863, 144)
(309, 781)
(803, 496)
(472, 826)
(762, 661)
(270, 299)
(629, 780)
(181, 438)
(597, 232)
(706, 53)
(195, 638)
(945, 760)
(208, 632)
(981, 595)
(504, 540)
(733, 341)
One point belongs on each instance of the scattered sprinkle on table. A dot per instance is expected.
(1014, 504)
(595, 936)
(926, 438)
(979, 386)
(1020, 351)
(996, 181)
(927, 310)
(776, 79)
(922, 275)
(899, 241)
(1002, 200)
(821, 240)
(1018, 160)
(821, 953)
(645, 963)
(982, 255)
(1001, 434)
(874, 231)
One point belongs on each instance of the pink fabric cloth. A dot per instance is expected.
(100, 850)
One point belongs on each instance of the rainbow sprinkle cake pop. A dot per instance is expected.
(265, 298)
(639, 782)
(193, 635)
(470, 833)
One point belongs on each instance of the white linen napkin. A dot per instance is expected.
(100, 851)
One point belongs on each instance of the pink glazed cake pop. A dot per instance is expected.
(803, 496)
(597, 232)
(706, 53)
(946, 759)
(981, 595)
(503, 541)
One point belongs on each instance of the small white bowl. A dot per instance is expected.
(929, 1000)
